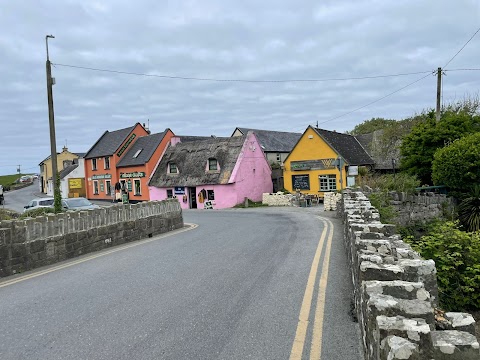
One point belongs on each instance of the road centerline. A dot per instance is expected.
(302, 326)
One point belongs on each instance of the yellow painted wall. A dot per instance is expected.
(47, 165)
(311, 149)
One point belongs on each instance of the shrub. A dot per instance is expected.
(401, 182)
(37, 212)
(457, 257)
(469, 210)
(381, 201)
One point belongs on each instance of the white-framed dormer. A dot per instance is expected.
(212, 165)
(172, 168)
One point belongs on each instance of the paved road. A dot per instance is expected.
(235, 287)
(17, 199)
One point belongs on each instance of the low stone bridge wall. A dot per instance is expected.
(396, 294)
(31, 243)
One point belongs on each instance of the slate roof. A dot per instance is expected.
(147, 144)
(67, 170)
(347, 146)
(109, 142)
(274, 141)
(191, 160)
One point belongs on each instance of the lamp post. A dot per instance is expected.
(51, 119)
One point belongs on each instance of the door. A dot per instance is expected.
(193, 197)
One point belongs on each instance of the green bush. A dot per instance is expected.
(401, 182)
(457, 257)
(37, 212)
(381, 201)
(469, 210)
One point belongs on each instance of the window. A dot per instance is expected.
(94, 164)
(137, 153)
(212, 164)
(210, 195)
(108, 187)
(107, 162)
(137, 189)
(328, 182)
(169, 193)
(279, 158)
(95, 187)
(172, 168)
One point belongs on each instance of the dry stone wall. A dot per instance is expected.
(396, 293)
(34, 242)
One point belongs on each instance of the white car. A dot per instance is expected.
(39, 203)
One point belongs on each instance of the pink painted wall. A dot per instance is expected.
(251, 177)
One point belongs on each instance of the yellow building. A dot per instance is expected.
(64, 159)
(313, 165)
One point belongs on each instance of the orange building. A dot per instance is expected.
(110, 164)
(138, 164)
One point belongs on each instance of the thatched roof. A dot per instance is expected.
(191, 159)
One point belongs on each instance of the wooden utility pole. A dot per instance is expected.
(51, 120)
(439, 92)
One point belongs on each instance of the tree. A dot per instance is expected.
(57, 204)
(458, 164)
(418, 147)
(369, 126)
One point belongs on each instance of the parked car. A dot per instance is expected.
(39, 203)
(79, 203)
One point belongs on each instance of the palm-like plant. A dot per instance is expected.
(469, 210)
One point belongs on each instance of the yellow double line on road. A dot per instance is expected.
(303, 322)
(187, 227)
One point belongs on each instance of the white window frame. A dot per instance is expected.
(94, 164)
(108, 187)
(135, 188)
(328, 182)
(170, 168)
(209, 164)
(95, 187)
(106, 162)
(279, 157)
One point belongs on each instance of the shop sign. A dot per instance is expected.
(102, 189)
(320, 164)
(125, 146)
(129, 185)
(136, 174)
(179, 190)
(352, 170)
(75, 183)
(101, 176)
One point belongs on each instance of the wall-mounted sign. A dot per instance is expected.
(75, 183)
(179, 190)
(125, 146)
(101, 176)
(352, 170)
(301, 182)
(102, 189)
(320, 164)
(136, 174)
(129, 185)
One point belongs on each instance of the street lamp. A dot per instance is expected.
(51, 121)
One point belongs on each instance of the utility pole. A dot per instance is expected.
(18, 170)
(51, 120)
(439, 92)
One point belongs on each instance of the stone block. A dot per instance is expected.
(397, 289)
(423, 271)
(455, 345)
(460, 321)
(385, 272)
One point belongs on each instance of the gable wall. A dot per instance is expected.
(311, 149)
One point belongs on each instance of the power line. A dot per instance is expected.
(471, 69)
(239, 80)
(375, 101)
(458, 52)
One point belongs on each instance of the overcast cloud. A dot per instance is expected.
(248, 39)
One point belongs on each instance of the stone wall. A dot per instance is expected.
(34, 242)
(277, 199)
(396, 293)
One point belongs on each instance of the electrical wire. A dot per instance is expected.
(458, 52)
(238, 80)
(375, 101)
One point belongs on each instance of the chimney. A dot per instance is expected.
(147, 127)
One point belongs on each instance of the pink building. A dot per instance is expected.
(218, 172)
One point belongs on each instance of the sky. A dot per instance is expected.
(246, 40)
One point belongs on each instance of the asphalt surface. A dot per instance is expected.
(17, 199)
(232, 288)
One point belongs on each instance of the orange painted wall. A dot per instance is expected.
(139, 131)
(148, 168)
